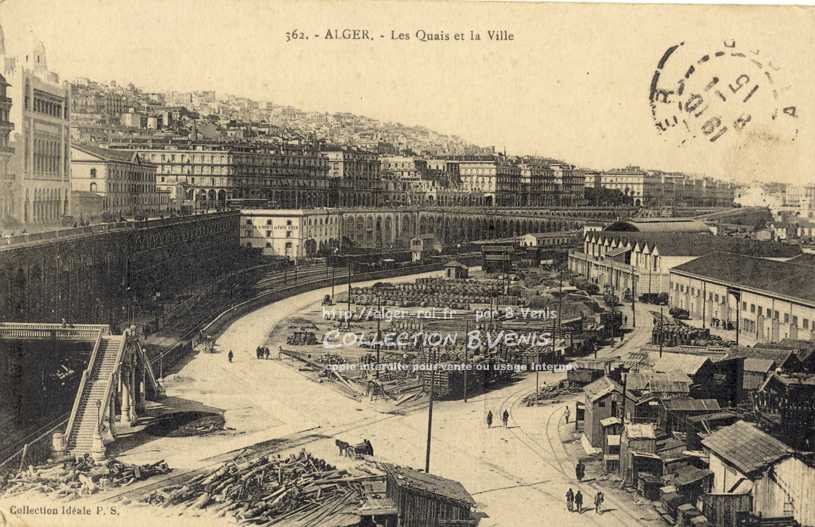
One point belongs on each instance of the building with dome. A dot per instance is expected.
(40, 139)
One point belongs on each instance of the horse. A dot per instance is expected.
(343, 447)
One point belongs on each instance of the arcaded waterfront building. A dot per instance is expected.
(214, 173)
(354, 177)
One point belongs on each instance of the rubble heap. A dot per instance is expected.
(80, 477)
(298, 490)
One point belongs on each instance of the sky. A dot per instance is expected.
(573, 83)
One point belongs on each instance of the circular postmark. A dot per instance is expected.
(711, 95)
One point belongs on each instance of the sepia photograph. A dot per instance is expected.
(411, 263)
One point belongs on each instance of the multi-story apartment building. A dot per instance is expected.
(7, 180)
(493, 176)
(126, 183)
(353, 176)
(41, 139)
(632, 181)
(570, 186)
(214, 173)
(404, 167)
(542, 190)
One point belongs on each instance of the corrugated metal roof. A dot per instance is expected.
(745, 447)
(600, 388)
(691, 405)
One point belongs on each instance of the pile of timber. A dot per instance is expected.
(295, 490)
(549, 393)
(80, 477)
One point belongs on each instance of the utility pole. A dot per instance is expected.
(466, 356)
(348, 314)
(378, 332)
(560, 303)
(333, 273)
(633, 300)
(661, 333)
(430, 413)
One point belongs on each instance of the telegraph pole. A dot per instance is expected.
(466, 357)
(349, 293)
(633, 300)
(333, 273)
(378, 332)
(661, 332)
(430, 414)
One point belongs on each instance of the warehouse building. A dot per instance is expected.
(766, 299)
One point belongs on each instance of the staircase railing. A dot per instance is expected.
(82, 383)
(116, 365)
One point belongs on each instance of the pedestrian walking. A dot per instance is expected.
(505, 418)
(598, 502)
(567, 413)
(578, 501)
(230, 355)
(569, 500)
(579, 470)
(489, 419)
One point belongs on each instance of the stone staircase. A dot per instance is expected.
(86, 421)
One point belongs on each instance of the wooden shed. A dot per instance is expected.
(427, 500)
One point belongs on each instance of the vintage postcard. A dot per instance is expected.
(406, 264)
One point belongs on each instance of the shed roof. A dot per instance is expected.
(694, 244)
(108, 154)
(455, 263)
(609, 421)
(429, 483)
(640, 431)
(774, 277)
(688, 475)
(746, 447)
(687, 364)
(691, 405)
(600, 388)
(758, 365)
(659, 225)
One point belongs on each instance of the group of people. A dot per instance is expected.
(504, 418)
(263, 352)
(574, 501)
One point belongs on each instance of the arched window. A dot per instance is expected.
(93, 187)
(93, 172)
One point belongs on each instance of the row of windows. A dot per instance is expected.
(758, 310)
(54, 109)
(233, 159)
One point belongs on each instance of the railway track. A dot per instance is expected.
(512, 402)
(303, 278)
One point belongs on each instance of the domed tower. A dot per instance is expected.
(36, 57)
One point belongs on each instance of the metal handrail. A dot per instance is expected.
(82, 384)
(106, 398)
